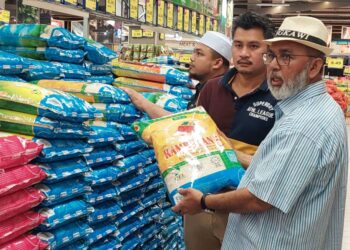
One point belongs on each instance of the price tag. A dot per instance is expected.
(136, 33)
(5, 16)
(134, 8)
(336, 63)
(90, 4)
(208, 24)
(187, 20)
(201, 24)
(170, 16)
(161, 36)
(215, 25)
(185, 58)
(194, 22)
(161, 13)
(149, 11)
(74, 2)
(180, 16)
(347, 70)
(148, 33)
(110, 6)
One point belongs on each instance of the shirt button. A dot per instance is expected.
(235, 98)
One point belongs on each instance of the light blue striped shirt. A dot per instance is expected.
(301, 170)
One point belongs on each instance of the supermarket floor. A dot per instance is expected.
(346, 237)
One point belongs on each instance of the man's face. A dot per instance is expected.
(201, 62)
(287, 80)
(247, 50)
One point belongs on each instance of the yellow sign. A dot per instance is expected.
(194, 22)
(90, 4)
(201, 24)
(215, 25)
(180, 17)
(110, 6)
(71, 1)
(347, 70)
(336, 63)
(208, 24)
(133, 8)
(185, 58)
(4, 16)
(148, 33)
(160, 13)
(187, 20)
(136, 33)
(170, 16)
(149, 11)
(161, 36)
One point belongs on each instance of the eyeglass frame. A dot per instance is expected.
(278, 60)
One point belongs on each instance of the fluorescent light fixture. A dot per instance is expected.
(272, 4)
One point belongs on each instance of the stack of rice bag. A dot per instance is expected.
(18, 197)
(58, 54)
(172, 84)
(139, 52)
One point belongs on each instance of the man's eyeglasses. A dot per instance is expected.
(282, 59)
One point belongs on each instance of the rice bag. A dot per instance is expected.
(152, 244)
(32, 99)
(191, 152)
(63, 236)
(11, 78)
(11, 64)
(151, 214)
(81, 244)
(69, 70)
(129, 148)
(19, 202)
(62, 55)
(130, 164)
(98, 53)
(97, 69)
(101, 194)
(128, 212)
(62, 170)
(64, 213)
(149, 232)
(40, 70)
(101, 230)
(171, 103)
(182, 92)
(141, 85)
(118, 112)
(25, 35)
(62, 38)
(152, 198)
(101, 156)
(167, 60)
(107, 79)
(28, 52)
(27, 124)
(127, 198)
(104, 211)
(150, 72)
(130, 243)
(19, 224)
(104, 136)
(150, 171)
(154, 183)
(15, 151)
(59, 150)
(62, 191)
(25, 242)
(17, 178)
(128, 183)
(126, 131)
(92, 93)
(127, 229)
(110, 243)
(102, 175)
(166, 216)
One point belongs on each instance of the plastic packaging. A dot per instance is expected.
(106, 79)
(130, 148)
(110, 243)
(62, 38)
(25, 242)
(127, 183)
(101, 194)
(130, 197)
(98, 69)
(26, 35)
(61, 55)
(130, 164)
(104, 211)
(102, 156)
(127, 229)
(40, 70)
(11, 64)
(118, 112)
(102, 175)
(104, 136)
(27, 52)
(101, 231)
(11, 78)
(69, 70)
(128, 212)
(97, 53)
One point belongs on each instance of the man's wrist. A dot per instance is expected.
(203, 203)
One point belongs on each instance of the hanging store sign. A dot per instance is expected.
(161, 36)
(201, 24)
(4, 16)
(335, 63)
(208, 24)
(149, 11)
(74, 2)
(347, 70)
(133, 8)
(187, 20)
(136, 33)
(194, 22)
(147, 33)
(170, 16)
(180, 16)
(110, 6)
(90, 4)
(160, 15)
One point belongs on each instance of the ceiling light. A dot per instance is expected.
(272, 4)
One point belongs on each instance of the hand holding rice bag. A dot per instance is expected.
(191, 152)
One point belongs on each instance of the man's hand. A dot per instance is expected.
(191, 202)
(136, 98)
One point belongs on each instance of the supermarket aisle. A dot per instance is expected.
(346, 238)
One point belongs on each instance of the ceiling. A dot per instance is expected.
(335, 13)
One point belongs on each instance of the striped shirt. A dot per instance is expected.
(301, 170)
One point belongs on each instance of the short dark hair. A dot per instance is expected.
(250, 20)
(216, 55)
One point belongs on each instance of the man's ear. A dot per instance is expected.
(316, 66)
(218, 62)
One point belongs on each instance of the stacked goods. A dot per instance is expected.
(167, 60)
(140, 52)
(65, 53)
(166, 101)
(18, 197)
(339, 90)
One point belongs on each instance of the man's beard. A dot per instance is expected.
(290, 87)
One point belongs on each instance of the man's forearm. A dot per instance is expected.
(154, 111)
(244, 159)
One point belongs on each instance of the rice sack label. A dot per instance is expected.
(31, 99)
(191, 152)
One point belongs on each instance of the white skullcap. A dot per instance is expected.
(217, 42)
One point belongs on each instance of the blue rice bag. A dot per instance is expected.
(129, 148)
(182, 92)
(81, 244)
(172, 103)
(102, 156)
(154, 183)
(172, 244)
(126, 131)
(98, 69)
(127, 198)
(130, 164)
(128, 212)
(110, 243)
(149, 155)
(151, 170)
(41, 70)
(26, 35)
(170, 229)
(104, 211)
(128, 228)
(58, 150)
(102, 175)
(164, 204)
(62, 38)
(128, 183)
(149, 232)
(101, 231)
(153, 197)
(106, 79)
(62, 170)
(166, 216)
(176, 77)
(118, 112)
(104, 136)
(11, 78)
(151, 214)
(130, 243)
(68, 70)
(61, 55)
(101, 194)
(11, 64)
(62, 191)
(27, 52)
(64, 213)
(153, 244)
(98, 53)
(63, 236)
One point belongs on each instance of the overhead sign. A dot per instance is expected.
(215, 25)
(180, 16)
(187, 20)
(134, 8)
(160, 13)
(201, 24)
(90, 4)
(110, 6)
(74, 2)
(335, 63)
(208, 24)
(4, 16)
(347, 70)
(194, 22)
(136, 33)
(161, 36)
(170, 16)
(147, 33)
(149, 11)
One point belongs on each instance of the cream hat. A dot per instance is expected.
(217, 42)
(305, 30)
